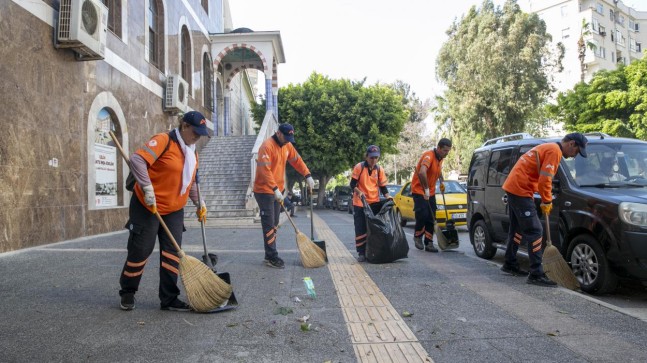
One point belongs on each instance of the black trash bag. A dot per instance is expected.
(386, 241)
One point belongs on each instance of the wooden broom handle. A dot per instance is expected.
(288, 215)
(159, 217)
(548, 241)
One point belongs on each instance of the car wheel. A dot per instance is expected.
(481, 240)
(403, 222)
(590, 265)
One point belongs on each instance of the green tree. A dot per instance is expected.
(613, 102)
(497, 66)
(335, 120)
(582, 44)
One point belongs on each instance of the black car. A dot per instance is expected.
(599, 216)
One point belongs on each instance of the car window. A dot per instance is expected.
(451, 187)
(393, 189)
(407, 190)
(611, 164)
(476, 175)
(499, 167)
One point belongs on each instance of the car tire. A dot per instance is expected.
(481, 240)
(590, 265)
(403, 222)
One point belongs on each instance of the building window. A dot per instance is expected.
(599, 8)
(600, 52)
(205, 5)
(564, 10)
(621, 20)
(207, 71)
(565, 33)
(156, 34)
(612, 15)
(114, 16)
(185, 58)
(613, 56)
(595, 25)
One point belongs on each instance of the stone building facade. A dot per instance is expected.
(61, 177)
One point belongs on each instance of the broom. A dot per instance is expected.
(204, 289)
(555, 266)
(311, 255)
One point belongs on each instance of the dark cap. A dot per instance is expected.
(288, 131)
(199, 123)
(580, 140)
(373, 151)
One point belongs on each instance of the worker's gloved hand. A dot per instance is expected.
(278, 195)
(201, 211)
(389, 197)
(311, 182)
(426, 193)
(442, 187)
(546, 208)
(149, 195)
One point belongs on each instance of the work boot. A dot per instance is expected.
(541, 280)
(418, 242)
(430, 247)
(276, 262)
(177, 305)
(127, 301)
(361, 257)
(513, 270)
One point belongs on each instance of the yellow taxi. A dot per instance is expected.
(455, 197)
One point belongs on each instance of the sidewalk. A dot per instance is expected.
(60, 303)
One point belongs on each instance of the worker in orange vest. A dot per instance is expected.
(534, 173)
(269, 185)
(423, 188)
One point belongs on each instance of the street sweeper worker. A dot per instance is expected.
(164, 170)
(423, 189)
(269, 185)
(367, 180)
(534, 173)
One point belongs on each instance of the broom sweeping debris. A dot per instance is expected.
(554, 265)
(205, 290)
(311, 255)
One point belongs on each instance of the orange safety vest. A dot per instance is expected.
(270, 166)
(534, 172)
(434, 171)
(369, 183)
(165, 173)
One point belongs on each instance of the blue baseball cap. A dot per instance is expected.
(373, 151)
(197, 120)
(288, 131)
(580, 140)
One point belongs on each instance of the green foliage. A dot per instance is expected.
(613, 102)
(335, 120)
(258, 113)
(496, 64)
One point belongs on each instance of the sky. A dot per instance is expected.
(378, 39)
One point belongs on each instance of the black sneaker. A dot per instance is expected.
(127, 301)
(293, 216)
(514, 271)
(276, 262)
(541, 280)
(361, 258)
(430, 247)
(177, 305)
(418, 242)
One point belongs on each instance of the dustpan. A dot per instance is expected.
(449, 232)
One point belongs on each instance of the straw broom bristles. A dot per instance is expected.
(311, 255)
(555, 267)
(205, 290)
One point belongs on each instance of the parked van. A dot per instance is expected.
(599, 216)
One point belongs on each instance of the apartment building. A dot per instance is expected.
(614, 34)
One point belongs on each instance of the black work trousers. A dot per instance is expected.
(526, 228)
(425, 211)
(144, 229)
(270, 211)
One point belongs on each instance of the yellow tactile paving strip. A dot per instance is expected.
(377, 331)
